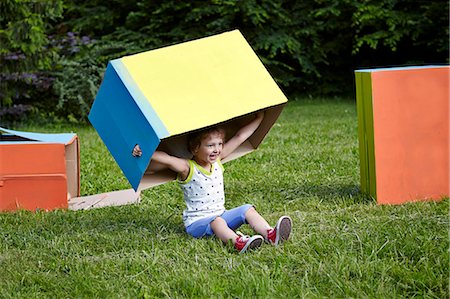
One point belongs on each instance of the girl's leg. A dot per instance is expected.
(257, 222)
(222, 231)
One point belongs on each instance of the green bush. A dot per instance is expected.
(76, 86)
(310, 47)
(24, 52)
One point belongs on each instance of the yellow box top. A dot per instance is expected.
(203, 82)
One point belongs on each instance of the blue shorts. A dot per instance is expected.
(234, 218)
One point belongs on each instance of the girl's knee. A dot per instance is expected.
(218, 221)
(250, 210)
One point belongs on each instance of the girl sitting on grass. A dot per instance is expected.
(201, 180)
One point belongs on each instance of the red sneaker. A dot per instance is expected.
(280, 232)
(245, 242)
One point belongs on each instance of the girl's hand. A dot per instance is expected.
(137, 152)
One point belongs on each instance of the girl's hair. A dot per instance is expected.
(195, 138)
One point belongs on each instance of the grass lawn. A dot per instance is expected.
(343, 244)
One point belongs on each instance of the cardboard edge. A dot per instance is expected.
(364, 99)
(272, 113)
(72, 156)
(108, 199)
(363, 167)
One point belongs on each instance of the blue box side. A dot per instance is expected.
(121, 125)
(140, 99)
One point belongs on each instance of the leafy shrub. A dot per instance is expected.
(76, 85)
(76, 77)
(24, 55)
(310, 46)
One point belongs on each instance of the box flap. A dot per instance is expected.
(64, 138)
(114, 198)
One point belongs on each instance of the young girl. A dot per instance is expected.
(201, 180)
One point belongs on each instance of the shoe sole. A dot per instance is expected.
(284, 227)
(253, 243)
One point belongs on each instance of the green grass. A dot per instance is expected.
(343, 244)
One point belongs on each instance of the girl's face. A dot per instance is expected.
(209, 150)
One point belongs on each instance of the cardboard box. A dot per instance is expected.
(156, 98)
(38, 171)
(42, 172)
(403, 119)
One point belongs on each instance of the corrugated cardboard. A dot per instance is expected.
(403, 118)
(108, 199)
(156, 98)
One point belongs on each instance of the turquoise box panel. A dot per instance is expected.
(121, 125)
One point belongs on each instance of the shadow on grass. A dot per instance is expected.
(103, 232)
(343, 192)
(139, 216)
(140, 219)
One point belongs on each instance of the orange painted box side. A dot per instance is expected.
(38, 170)
(411, 134)
(33, 176)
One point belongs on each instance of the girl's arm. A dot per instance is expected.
(242, 135)
(179, 165)
(162, 160)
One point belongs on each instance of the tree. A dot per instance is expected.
(309, 46)
(24, 51)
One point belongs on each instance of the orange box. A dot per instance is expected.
(38, 171)
(403, 128)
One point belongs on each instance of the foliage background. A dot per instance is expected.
(53, 52)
